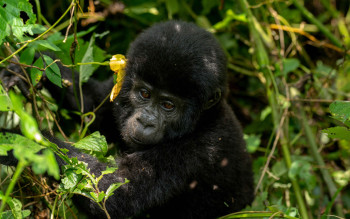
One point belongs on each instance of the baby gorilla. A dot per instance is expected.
(182, 147)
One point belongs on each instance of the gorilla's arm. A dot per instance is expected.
(153, 180)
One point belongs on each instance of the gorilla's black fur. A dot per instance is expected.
(199, 168)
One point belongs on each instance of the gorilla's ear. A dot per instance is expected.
(214, 100)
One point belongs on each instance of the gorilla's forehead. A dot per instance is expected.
(178, 56)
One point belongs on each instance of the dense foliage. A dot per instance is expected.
(288, 63)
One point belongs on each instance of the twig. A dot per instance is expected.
(279, 130)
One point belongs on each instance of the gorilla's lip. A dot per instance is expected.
(136, 141)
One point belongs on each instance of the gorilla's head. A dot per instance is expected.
(175, 71)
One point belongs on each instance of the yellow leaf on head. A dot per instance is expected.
(117, 64)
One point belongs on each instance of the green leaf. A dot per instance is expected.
(36, 74)
(9, 214)
(113, 187)
(208, 5)
(101, 196)
(253, 142)
(16, 207)
(5, 102)
(301, 169)
(53, 72)
(19, 143)
(10, 20)
(109, 170)
(273, 208)
(172, 7)
(338, 132)
(51, 163)
(290, 65)
(71, 180)
(340, 110)
(86, 71)
(94, 142)
(27, 56)
(29, 127)
(26, 149)
(45, 44)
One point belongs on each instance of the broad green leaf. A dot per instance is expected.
(51, 163)
(338, 132)
(24, 145)
(94, 142)
(340, 110)
(45, 44)
(26, 149)
(27, 56)
(5, 102)
(52, 72)
(10, 20)
(290, 65)
(86, 71)
(4, 148)
(36, 74)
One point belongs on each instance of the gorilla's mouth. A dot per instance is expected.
(136, 141)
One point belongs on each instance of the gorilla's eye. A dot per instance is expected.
(145, 94)
(168, 105)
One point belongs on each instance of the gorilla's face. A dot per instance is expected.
(155, 115)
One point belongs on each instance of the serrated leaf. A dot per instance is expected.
(94, 142)
(5, 102)
(10, 20)
(71, 179)
(52, 71)
(340, 110)
(338, 132)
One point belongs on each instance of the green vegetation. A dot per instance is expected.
(289, 81)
